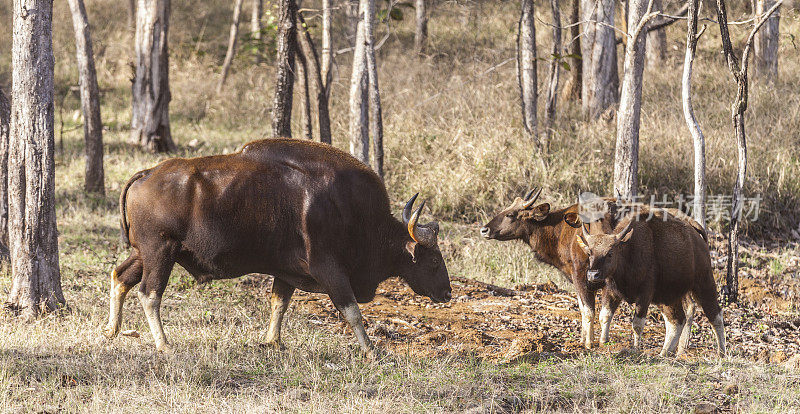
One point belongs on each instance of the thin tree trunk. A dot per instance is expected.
(421, 31)
(90, 100)
(552, 89)
(766, 43)
(305, 100)
(150, 119)
(5, 127)
(699, 208)
(599, 50)
(738, 69)
(255, 25)
(626, 156)
(351, 11)
(33, 235)
(325, 68)
(526, 70)
(359, 83)
(312, 63)
(284, 73)
(376, 123)
(656, 42)
(232, 40)
(572, 90)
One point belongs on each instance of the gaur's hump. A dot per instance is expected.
(302, 150)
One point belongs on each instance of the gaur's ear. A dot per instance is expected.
(411, 248)
(573, 220)
(537, 213)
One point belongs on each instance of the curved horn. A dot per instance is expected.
(412, 223)
(584, 234)
(625, 231)
(408, 207)
(530, 200)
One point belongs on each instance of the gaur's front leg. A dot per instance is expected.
(279, 301)
(639, 319)
(586, 305)
(609, 306)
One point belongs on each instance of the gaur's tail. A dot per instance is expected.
(123, 208)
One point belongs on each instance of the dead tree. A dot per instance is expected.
(312, 62)
(626, 156)
(526, 69)
(327, 52)
(150, 118)
(766, 43)
(255, 24)
(90, 100)
(284, 73)
(656, 42)
(376, 122)
(599, 52)
(421, 28)
(738, 68)
(359, 97)
(5, 127)
(33, 237)
(232, 40)
(572, 89)
(553, 75)
(301, 76)
(699, 207)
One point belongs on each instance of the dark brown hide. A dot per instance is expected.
(307, 213)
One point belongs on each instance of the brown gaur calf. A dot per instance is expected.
(661, 261)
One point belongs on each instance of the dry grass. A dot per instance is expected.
(453, 132)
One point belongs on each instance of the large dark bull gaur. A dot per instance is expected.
(312, 216)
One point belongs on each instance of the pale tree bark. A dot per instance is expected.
(699, 202)
(284, 73)
(738, 68)
(327, 51)
(5, 127)
(626, 156)
(766, 43)
(421, 28)
(232, 40)
(351, 11)
(656, 42)
(376, 122)
(572, 89)
(305, 101)
(359, 97)
(552, 88)
(90, 100)
(599, 51)
(312, 62)
(257, 10)
(526, 70)
(33, 235)
(150, 119)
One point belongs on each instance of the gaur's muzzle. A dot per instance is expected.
(594, 276)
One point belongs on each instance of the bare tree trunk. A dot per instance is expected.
(255, 24)
(376, 123)
(305, 100)
(699, 209)
(599, 51)
(312, 63)
(572, 90)
(421, 32)
(284, 73)
(5, 127)
(325, 67)
(552, 89)
(526, 70)
(33, 235)
(226, 65)
(766, 43)
(738, 69)
(351, 11)
(359, 84)
(150, 119)
(656, 42)
(626, 156)
(90, 100)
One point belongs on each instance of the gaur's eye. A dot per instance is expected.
(511, 215)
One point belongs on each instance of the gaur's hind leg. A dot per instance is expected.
(674, 319)
(686, 334)
(610, 303)
(279, 301)
(123, 278)
(156, 270)
(639, 318)
(708, 301)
